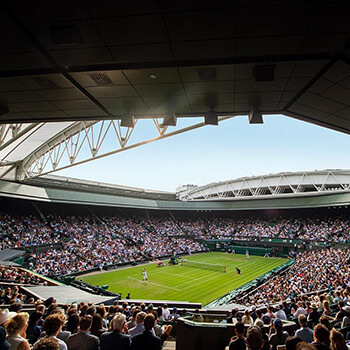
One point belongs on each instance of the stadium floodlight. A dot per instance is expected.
(127, 120)
(170, 119)
(211, 118)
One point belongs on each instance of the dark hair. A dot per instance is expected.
(85, 322)
(72, 311)
(279, 328)
(325, 321)
(53, 307)
(337, 340)
(34, 317)
(292, 342)
(91, 311)
(321, 333)
(239, 327)
(254, 338)
(159, 311)
(48, 301)
(101, 310)
(96, 325)
(83, 310)
(15, 307)
(53, 323)
(148, 322)
(135, 312)
(73, 323)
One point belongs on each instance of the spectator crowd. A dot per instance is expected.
(83, 326)
(84, 243)
(312, 271)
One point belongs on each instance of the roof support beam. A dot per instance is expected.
(71, 147)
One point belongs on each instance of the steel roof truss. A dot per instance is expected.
(62, 152)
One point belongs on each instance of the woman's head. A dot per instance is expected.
(96, 324)
(337, 340)
(73, 323)
(17, 323)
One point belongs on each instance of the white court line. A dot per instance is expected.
(228, 270)
(174, 274)
(209, 279)
(160, 285)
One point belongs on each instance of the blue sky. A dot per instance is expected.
(215, 153)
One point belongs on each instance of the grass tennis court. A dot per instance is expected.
(185, 283)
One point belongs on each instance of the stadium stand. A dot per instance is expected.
(93, 242)
(57, 244)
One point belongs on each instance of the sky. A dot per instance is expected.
(217, 153)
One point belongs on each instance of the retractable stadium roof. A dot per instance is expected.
(73, 71)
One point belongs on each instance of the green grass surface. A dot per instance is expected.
(185, 283)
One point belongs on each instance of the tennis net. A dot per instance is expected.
(204, 266)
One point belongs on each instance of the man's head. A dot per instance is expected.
(259, 314)
(254, 338)
(135, 312)
(118, 322)
(85, 323)
(149, 322)
(302, 321)
(140, 317)
(54, 323)
(239, 328)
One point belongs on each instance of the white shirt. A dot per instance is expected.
(166, 314)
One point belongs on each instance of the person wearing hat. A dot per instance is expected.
(313, 316)
(4, 344)
(5, 315)
(277, 336)
(174, 315)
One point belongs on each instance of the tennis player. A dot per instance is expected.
(144, 273)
